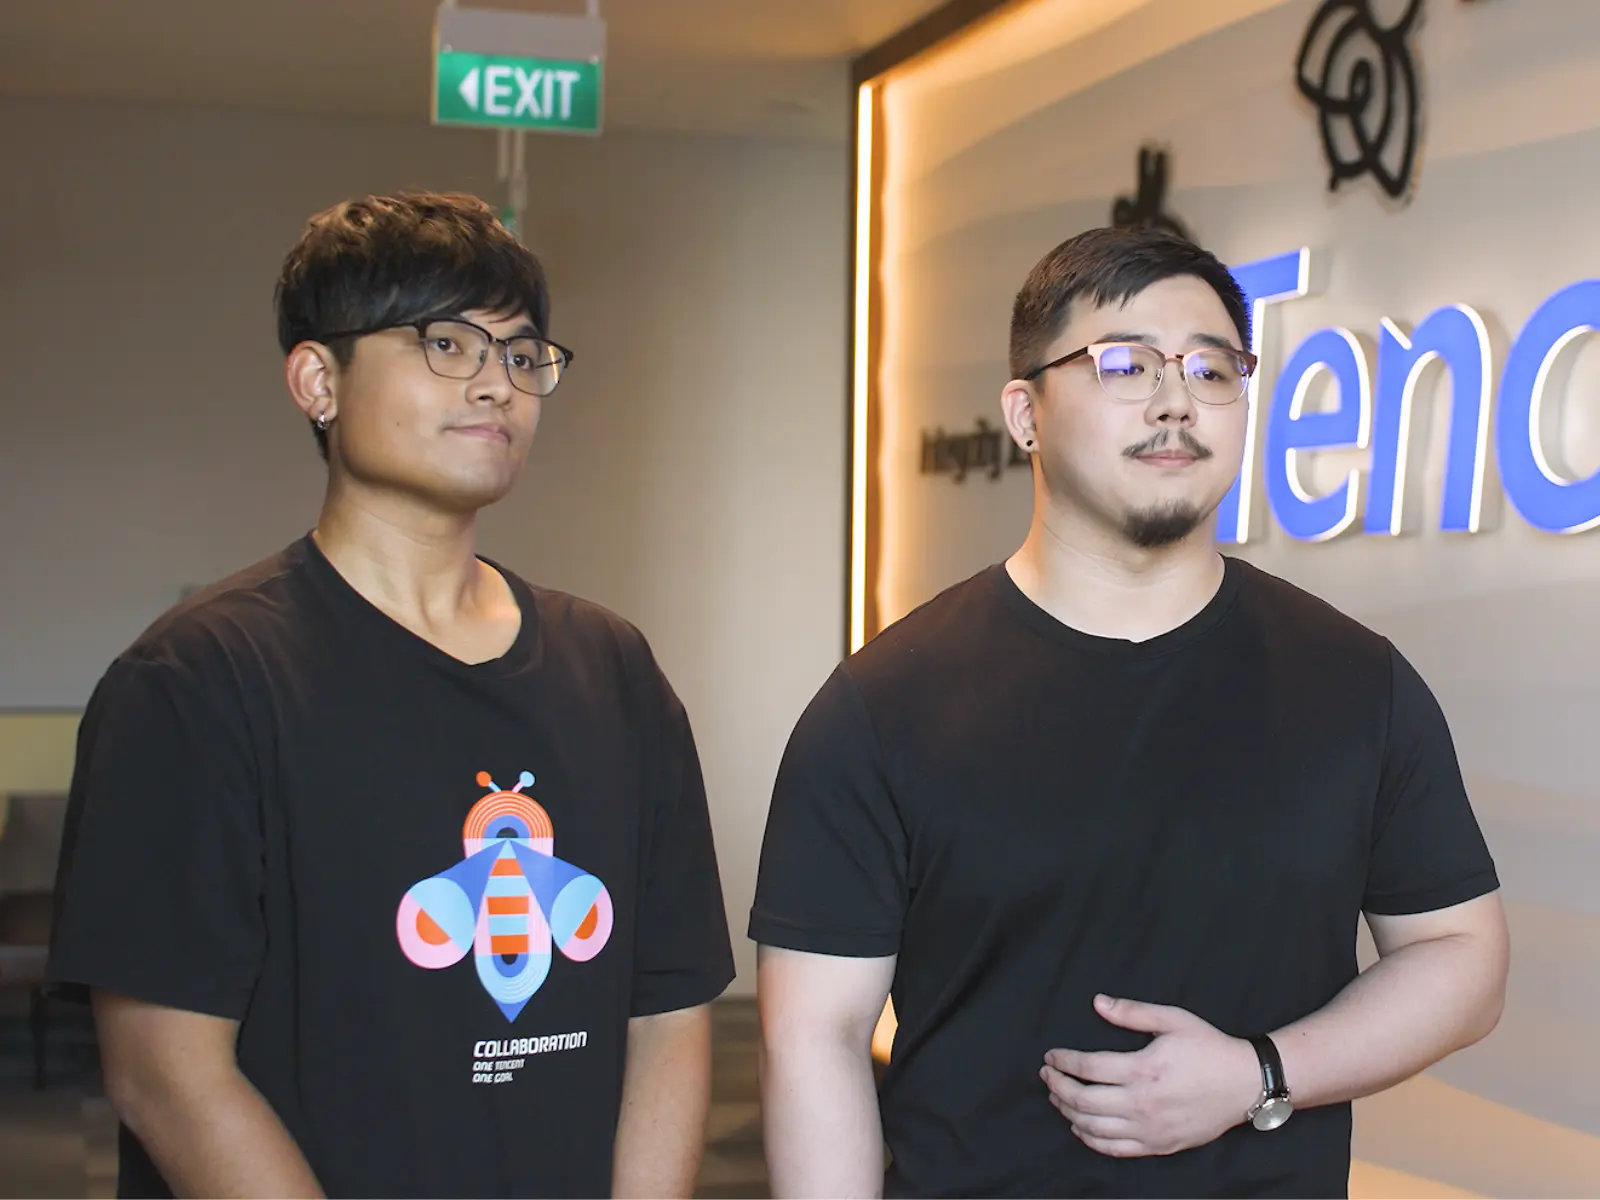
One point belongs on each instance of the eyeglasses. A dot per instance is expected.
(1132, 371)
(457, 349)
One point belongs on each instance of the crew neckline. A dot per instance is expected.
(520, 654)
(1196, 627)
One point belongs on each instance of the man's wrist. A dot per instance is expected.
(1249, 1075)
(1275, 1103)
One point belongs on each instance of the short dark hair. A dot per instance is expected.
(1110, 266)
(385, 260)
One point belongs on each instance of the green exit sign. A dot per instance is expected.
(548, 94)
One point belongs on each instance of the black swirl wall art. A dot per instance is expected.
(1362, 77)
(1147, 206)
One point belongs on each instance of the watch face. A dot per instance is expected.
(1272, 1113)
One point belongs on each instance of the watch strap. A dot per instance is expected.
(1272, 1080)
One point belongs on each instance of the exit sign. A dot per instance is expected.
(518, 70)
(553, 95)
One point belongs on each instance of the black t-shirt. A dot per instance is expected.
(432, 893)
(1028, 815)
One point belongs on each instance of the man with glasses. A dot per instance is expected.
(1105, 818)
(388, 872)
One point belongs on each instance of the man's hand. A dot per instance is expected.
(1189, 1086)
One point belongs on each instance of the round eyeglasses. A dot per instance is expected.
(1132, 371)
(457, 349)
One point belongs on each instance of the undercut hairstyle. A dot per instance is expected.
(382, 261)
(1110, 266)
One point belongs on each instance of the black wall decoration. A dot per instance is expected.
(1361, 77)
(1144, 208)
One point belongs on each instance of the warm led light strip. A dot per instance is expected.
(861, 391)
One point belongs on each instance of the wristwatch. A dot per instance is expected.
(1275, 1106)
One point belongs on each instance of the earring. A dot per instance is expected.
(322, 422)
(1030, 443)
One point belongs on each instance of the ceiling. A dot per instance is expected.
(718, 66)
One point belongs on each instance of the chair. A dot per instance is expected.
(30, 844)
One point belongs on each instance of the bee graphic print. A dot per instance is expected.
(509, 901)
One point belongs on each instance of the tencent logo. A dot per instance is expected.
(1376, 411)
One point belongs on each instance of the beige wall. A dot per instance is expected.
(688, 474)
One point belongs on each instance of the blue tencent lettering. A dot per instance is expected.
(1537, 491)
(1457, 337)
(1264, 282)
(1291, 429)
(1380, 417)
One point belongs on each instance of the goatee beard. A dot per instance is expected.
(1157, 528)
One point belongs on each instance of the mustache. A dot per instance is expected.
(1161, 441)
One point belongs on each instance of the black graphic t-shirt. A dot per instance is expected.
(1028, 815)
(432, 893)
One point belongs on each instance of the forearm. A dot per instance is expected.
(820, 1103)
(666, 1096)
(216, 1138)
(1403, 1014)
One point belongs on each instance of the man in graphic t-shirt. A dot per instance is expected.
(1105, 818)
(390, 873)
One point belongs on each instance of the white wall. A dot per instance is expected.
(688, 474)
(1022, 136)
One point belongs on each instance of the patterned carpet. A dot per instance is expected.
(63, 1142)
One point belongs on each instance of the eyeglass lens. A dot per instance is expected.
(1129, 371)
(458, 351)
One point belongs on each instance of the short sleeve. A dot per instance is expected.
(683, 957)
(834, 862)
(1428, 852)
(159, 890)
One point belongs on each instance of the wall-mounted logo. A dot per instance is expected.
(1511, 429)
(1361, 76)
(1505, 429)
(1146, 207)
